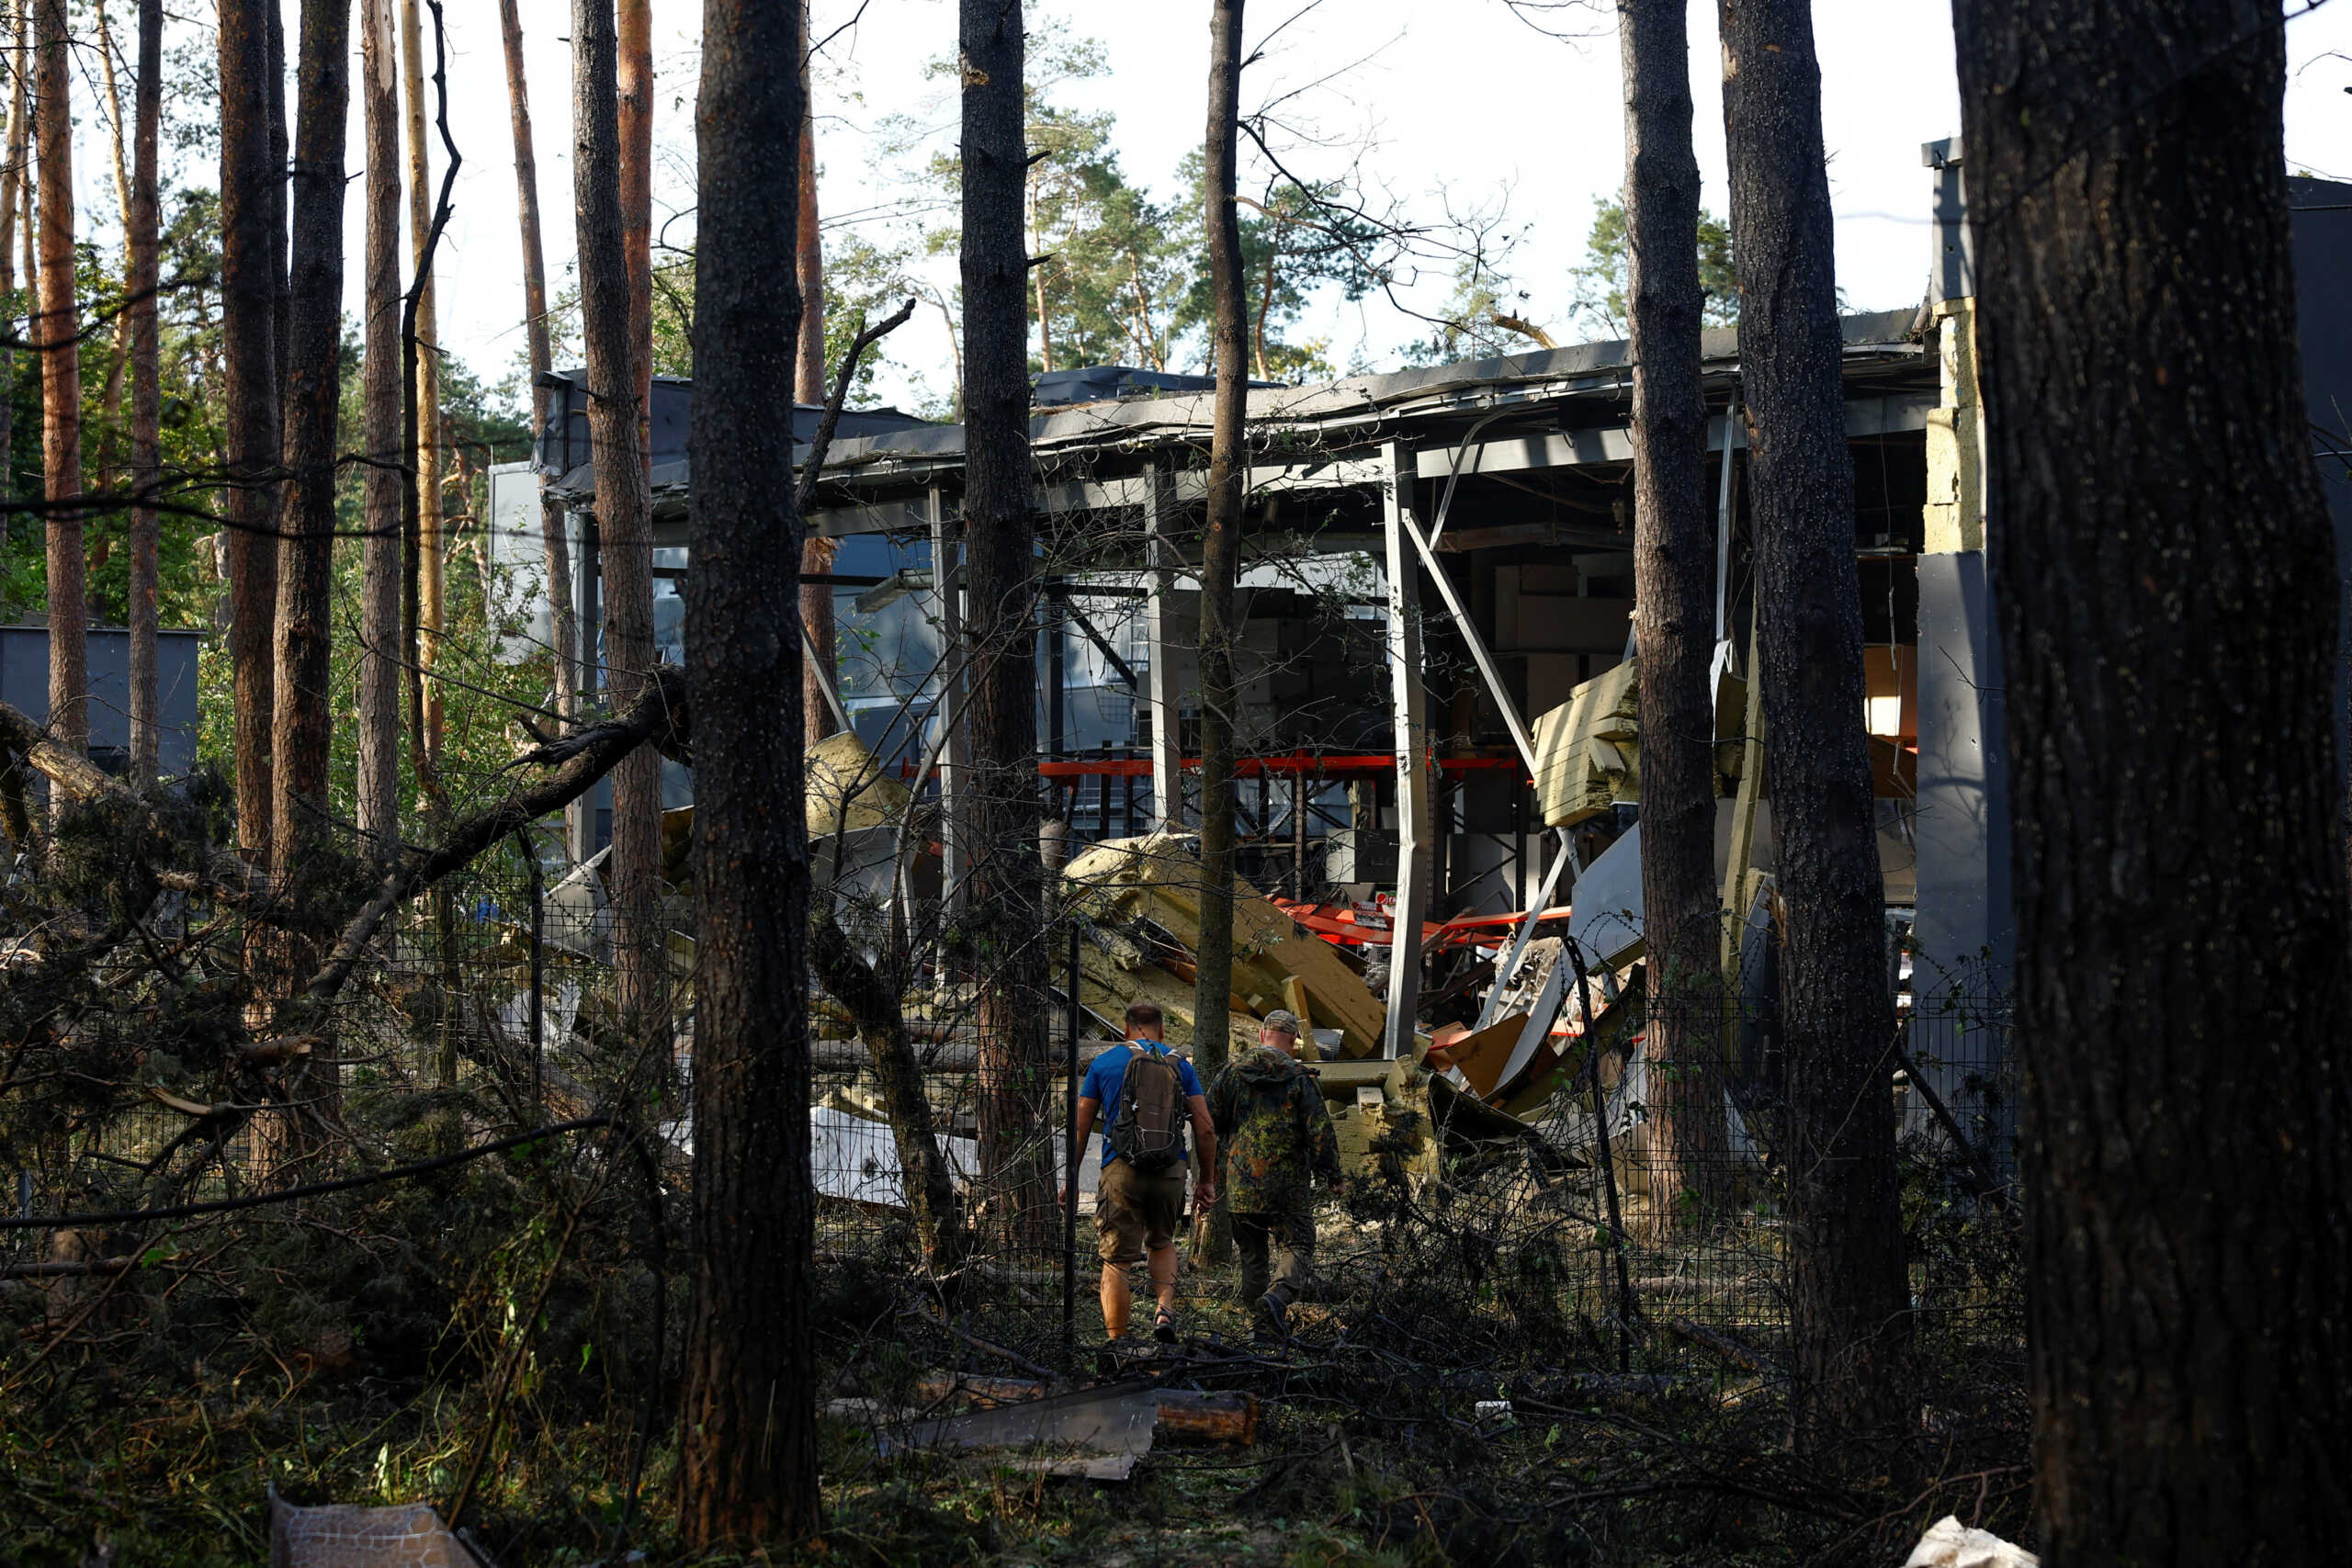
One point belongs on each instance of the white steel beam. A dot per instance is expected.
(1411, 731)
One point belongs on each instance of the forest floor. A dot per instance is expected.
(1362, 1457)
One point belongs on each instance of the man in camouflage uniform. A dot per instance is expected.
(1274, 1134)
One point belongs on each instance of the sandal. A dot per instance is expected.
(1163, 1326)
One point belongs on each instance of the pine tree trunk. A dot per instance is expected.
(1007, 878)
(281, 331)
(382, 644)
(1849, 1293)
(248, 310)
(314, 387)
(55, 337)
(14, 197)
(1674, 580)
(146, 397)
(747, 1421)
(1221, 559)
(2162, 562)
(118, 138)
(553, 533)
(623, 506)
(431, 548)
(808, 386)
(637, 783)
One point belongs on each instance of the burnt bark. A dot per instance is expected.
(2163, 564)
(554, 537)
(1221, 552)
(142, 242)
(382, 493)
(1005, 900)
(1848, 1292)
(1674, 580)
(748, 1450)
(248, 325)
(57, 338)
(809, 388)
(306, 555)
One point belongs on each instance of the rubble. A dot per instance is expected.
(1142, 894)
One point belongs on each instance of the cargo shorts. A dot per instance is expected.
(1133, 1212)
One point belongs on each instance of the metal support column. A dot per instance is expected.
(1167, 728)
(1410, 738)
(946, 587)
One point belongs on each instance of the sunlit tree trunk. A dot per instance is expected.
(1849, 1295)
(55, 337)
(15, 197)
(432, 549)
(146, 397)
(118, 143)
(1674, 580)
(382, 644)
(808, 386)
(248, 323)
(2164, 572)
(554, 537)
(747, 1418)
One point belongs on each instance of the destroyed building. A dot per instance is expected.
(1440, 740)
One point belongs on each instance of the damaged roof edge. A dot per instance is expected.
(1540, 373)
(1338, 401)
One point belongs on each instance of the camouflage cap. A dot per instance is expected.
(1282, 1021)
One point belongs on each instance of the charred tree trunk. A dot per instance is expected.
(623, 506)
(747, 1433)
(146, 395)
(1006, 896)
(314, 387)
(554, 536)
(382, 495)
(58, 340)
(808, 386)
(248, 324)
(1221, 558)
(1850, 1293)
(2164, 568)
(432, 552)
(1674, 580)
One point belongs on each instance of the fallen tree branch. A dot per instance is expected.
(315, 1189)
(582, 759)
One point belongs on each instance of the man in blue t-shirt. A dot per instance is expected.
(1137, 1215)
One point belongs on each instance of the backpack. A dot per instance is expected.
(1148, 1131)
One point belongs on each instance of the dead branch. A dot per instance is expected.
(813, 464)
(658, 714)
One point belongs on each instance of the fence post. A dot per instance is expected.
(1069, 1166)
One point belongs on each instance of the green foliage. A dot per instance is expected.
(1121, 277)
(1600, 281)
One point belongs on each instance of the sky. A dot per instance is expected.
(1458, 104)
